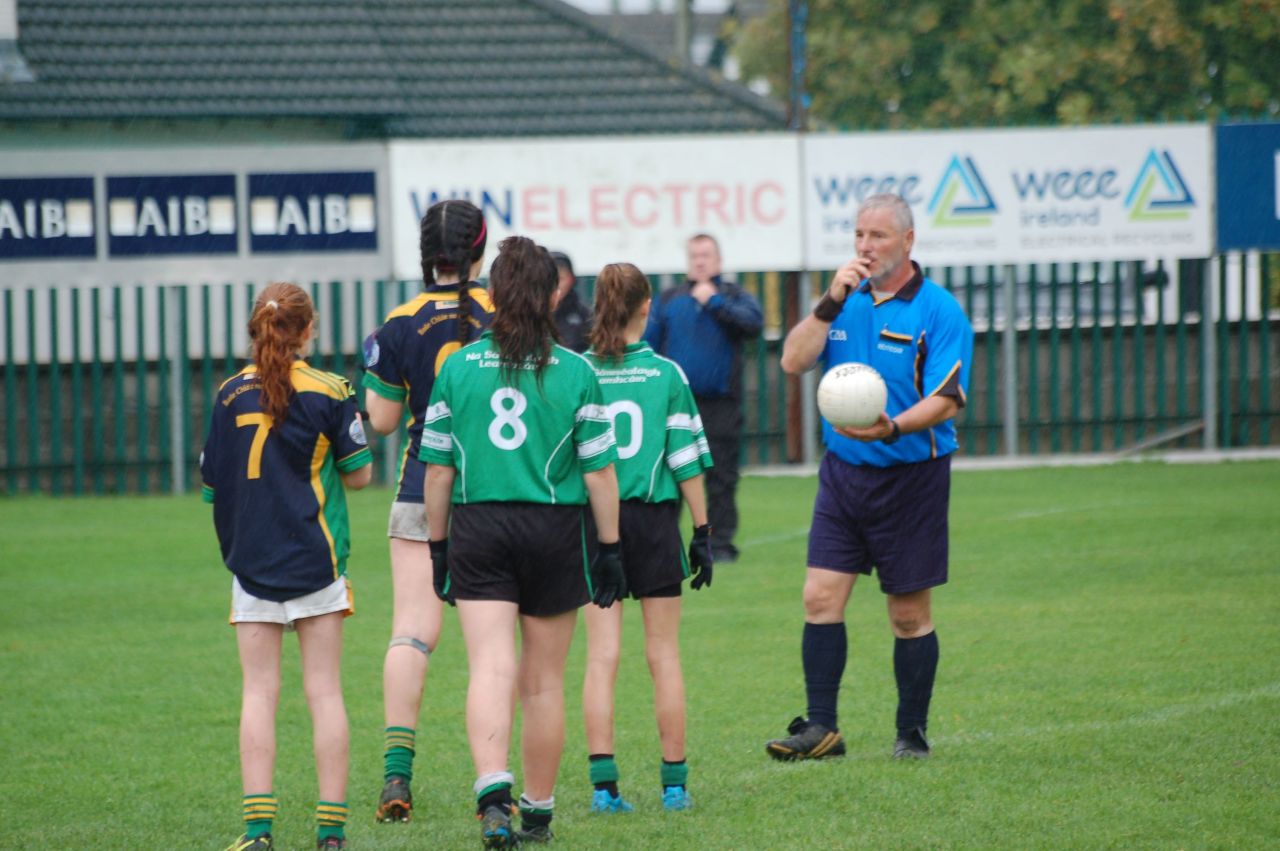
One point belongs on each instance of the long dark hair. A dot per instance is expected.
(620, 291)
(451, 237)
(521, 283)
(278, 326)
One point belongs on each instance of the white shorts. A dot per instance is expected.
(408, 520)
(246, 608)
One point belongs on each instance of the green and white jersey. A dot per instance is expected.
(513, 438)
(656, 422)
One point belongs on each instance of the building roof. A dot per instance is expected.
(391, 67)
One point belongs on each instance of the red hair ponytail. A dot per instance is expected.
(278, 329)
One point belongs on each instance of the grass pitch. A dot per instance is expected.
(1110, 677)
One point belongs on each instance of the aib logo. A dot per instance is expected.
(1159, 193)
(962, 198)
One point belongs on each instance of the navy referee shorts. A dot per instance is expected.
(892, 519)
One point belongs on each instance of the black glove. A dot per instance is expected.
(700, 558)
(607, 579)
(440, 570)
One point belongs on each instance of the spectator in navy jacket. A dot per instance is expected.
(702, 325)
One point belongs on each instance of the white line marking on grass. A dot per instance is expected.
(777, 537)
(1065, 509)
(1147, 719)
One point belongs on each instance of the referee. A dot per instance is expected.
(883, 490)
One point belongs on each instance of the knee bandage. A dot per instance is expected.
(410, 641)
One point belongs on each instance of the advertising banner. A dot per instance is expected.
(1018, 196)
(1248, 158)
(46, 217)
(163, 214)
(600, 201)
(317, 211)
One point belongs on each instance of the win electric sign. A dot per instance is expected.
(47, 217)
(322, 211)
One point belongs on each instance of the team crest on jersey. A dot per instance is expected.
(356, 432)
(837, 334)
(371, 351)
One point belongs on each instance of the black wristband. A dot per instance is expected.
(893, 435)
(610, 549)
(827, 309)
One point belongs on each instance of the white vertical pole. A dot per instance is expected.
(1011, 360)
(1208, 344)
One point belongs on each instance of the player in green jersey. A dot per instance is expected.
(517, 441)
(284, 439)
(662, 453)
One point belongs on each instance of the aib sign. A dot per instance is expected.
(46, 217)
(159, 214)
(325, 211)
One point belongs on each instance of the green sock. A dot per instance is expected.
(331, 820)
(604, 772)
(259, 812)
(398, 759)
(674, 773)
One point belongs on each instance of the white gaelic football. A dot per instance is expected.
(852, 395)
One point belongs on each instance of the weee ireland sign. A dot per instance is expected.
(1012, 196)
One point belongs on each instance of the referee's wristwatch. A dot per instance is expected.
(893, 435)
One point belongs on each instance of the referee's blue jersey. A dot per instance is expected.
(278, 503)
(922, 343)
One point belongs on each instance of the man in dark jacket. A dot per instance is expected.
(573, 315)
(702, 325)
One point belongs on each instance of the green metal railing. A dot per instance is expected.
(108, 389)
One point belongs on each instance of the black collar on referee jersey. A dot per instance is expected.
(908, 290)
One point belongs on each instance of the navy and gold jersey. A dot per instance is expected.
(278, 503)
(404, 358)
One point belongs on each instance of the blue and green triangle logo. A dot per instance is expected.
(961, 199)
(1159, 194)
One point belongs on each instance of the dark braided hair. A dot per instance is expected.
(451, 238)
(521, 283)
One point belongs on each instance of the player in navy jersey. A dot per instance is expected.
(284, 440)
(517, 442)
(883, 490)
(402, 359)
(662, 453)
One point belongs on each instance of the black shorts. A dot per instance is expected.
(653, 555)
(891, 518)
(530, 554)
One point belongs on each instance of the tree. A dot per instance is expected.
(962, 63)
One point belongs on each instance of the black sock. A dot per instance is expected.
(915, 662)
(823, 649)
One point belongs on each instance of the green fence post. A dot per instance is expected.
(10, 400)
(1055, 377)
(206, 362)
(335, 308)
(1264, 354)
(77, 397)
(1242, 373)
(140, 379)
(1162, 413)
(164, 374)
(1223, 328)
(55, 397)
(1139, 402)
(96, 417)
(33, 399)
(1117, 355)
(182, 399)
(993, 373)
(1033, 364)
(229, 335)
(1077, 378)
(1096, 350)
(1180, 346)
(117, 387)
